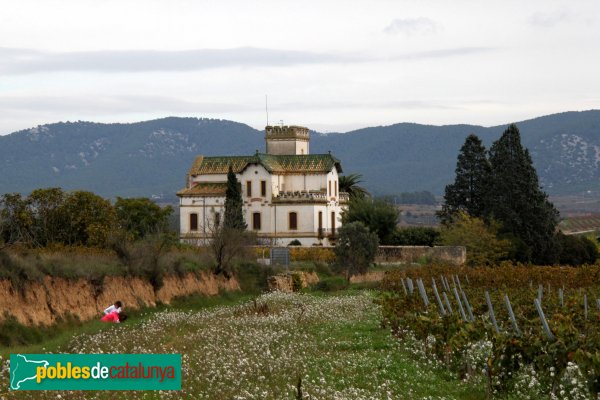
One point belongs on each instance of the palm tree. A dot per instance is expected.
(349, 184)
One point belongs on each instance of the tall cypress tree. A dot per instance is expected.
(517, 201)
(468, 192)
(234, 217)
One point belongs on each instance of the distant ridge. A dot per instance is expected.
(151, 158)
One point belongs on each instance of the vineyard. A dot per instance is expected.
(526, 332)
(586, 223)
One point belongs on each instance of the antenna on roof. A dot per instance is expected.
(267, 109)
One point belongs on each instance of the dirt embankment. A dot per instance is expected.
(292, 281)
(43, 303)
(296, 280)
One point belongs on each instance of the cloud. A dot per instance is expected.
(412, 26)
(366, 104)
(116, 104)
(19, 61)
(25, 61)
(548, 19)
(443, 53)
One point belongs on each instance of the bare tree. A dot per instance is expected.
(226, 244)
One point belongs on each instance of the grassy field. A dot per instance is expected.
(262, 348)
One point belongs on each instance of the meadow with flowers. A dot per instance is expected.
(375, 344)
(276, 346)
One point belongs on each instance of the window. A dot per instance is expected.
(336, 188)
(217, 219)
(249, 188)
(333, 223)
(263, 188)
(193, 222)
(329, 193)
(256, 221)
(320, 232)
(293, 221)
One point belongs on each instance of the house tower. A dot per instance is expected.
(287, 140)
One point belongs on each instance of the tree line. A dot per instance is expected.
(495, 207)
(496, 202)
(79, 218)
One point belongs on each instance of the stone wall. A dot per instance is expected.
(455, 255)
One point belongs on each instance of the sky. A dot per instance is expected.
(332, 66)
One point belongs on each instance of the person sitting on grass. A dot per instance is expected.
(115, 317)
(115, 307)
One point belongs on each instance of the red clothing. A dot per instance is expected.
(111, 317)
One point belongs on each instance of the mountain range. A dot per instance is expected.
(151, 158)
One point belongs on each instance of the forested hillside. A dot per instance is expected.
(151, 158)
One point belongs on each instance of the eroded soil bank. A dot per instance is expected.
(52, 299)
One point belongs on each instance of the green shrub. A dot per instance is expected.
(323, 269)
(253, 277)
(481, 240)
(330, 284)
(415, 236)
(296, 281)
(379, 216)
(13, 333)
(576, 250)
(355, 249)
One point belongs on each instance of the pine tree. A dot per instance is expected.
(518, 203)
(234, 217)
(468, 192)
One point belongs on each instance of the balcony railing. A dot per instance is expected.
(301, 196)
(344, 197)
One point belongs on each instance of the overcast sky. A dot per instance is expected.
(328, 65)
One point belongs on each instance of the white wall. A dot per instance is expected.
(274, 216)
(205, 208)
(210, 178)
(287, 146)
(306, 182)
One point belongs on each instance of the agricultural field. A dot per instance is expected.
(581, 223)
(276, 346)
(522, 332)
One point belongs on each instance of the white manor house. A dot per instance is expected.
(288, 193)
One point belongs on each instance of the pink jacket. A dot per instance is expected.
(111, 317)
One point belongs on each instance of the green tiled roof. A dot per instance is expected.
(279, 164)
(205, 189)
